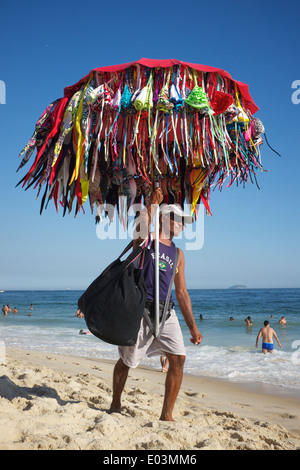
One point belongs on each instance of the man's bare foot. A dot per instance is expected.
(114, 409)
(166, 418)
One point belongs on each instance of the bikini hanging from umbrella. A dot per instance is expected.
(113, 132)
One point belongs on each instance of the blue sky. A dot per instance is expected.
(253, 236)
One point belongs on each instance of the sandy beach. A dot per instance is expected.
(56, 402)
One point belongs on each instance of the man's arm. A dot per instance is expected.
(184, 301)
(275, 336)
(258, 336)
(146, 216)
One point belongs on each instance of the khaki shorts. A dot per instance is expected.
(169, 341)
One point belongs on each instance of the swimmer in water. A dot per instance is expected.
(267, 334)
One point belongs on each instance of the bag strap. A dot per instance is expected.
(135, 253)
(130, 245)
(169, 293)
(148, 321)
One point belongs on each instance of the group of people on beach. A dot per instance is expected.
(248, 320)
(266, 333)
(6, 309)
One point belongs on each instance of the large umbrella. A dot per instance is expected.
(122, 130)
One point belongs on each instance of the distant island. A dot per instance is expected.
(238, 286)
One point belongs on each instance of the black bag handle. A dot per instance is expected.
(130, 245)
(134, 254)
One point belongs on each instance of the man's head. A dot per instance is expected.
(266, 323)
(173, 219)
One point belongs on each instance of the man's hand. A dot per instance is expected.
(196, 337)
(157, 196)
(144, 220)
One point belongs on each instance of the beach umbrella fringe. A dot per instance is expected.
(114, 134)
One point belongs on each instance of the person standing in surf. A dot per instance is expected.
(267, 334)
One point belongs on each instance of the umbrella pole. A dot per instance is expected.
(156, 326)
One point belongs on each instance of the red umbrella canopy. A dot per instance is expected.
(123, 127)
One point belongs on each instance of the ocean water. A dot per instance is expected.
(228, 349)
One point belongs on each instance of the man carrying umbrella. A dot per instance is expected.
(170, 340)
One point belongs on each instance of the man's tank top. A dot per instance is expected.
(167, 256)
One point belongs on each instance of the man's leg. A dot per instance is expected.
(119, 379)
(172, 385)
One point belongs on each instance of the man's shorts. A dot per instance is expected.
(169, 341)
(268, 346)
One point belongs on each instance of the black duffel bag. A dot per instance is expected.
(113, 305)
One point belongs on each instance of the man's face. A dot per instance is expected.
(172, 225)
(176, 226)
